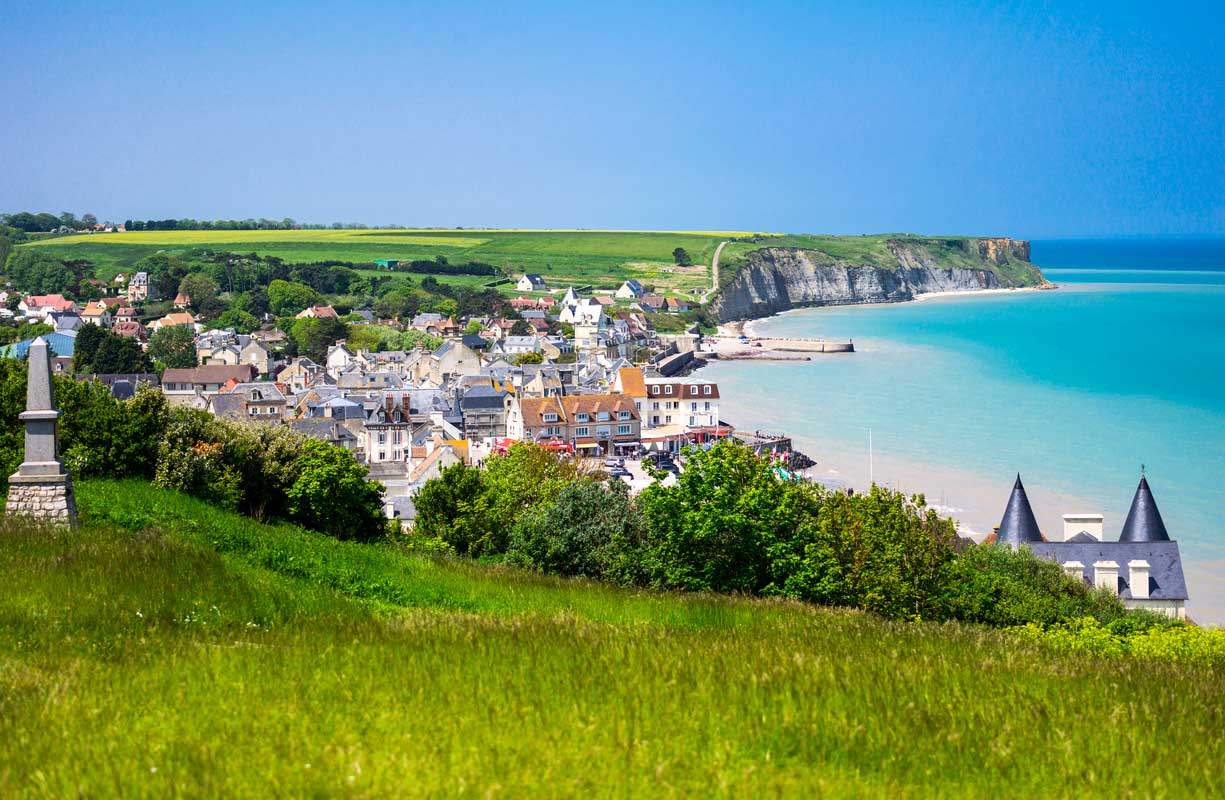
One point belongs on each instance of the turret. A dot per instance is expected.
(1018, 525)
(1144, 522)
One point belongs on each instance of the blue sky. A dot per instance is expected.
(1037, 120)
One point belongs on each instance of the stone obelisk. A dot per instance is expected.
(41, 488)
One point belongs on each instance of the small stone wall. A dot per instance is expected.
(48, 500)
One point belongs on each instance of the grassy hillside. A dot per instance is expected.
(168, 648)
(596, 257)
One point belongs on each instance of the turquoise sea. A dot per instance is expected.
(1122, 366)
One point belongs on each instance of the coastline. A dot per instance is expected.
(826, 408)
(748, 327)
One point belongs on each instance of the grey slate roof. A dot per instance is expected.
(327, 430)
(1144, 523)
(483, 397)
(1018, 525)
(1165, 578)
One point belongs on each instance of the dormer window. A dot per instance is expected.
(549, 417)
(668, 389)
(603, 416)
(582, 417)
(623, 415)
(654, 390)
(706, 389)
(693, 390)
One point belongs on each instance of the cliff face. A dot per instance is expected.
(780, 278)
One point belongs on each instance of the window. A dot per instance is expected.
(668, 389)
(693, 406)
(654, 390)
(582, 417)
(398, 437)
(706, 389)
(550, 418)
(668, 420)
(692, 422)
(382, 437)
(623, 415)
(707, 406)
(623, 429)
(583, 431)
(603, 416)
(655, 406)
(693, 390)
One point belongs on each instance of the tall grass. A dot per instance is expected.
(167, 648)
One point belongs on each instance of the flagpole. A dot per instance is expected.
(871, 467)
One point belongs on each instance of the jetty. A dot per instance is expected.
(770, 348)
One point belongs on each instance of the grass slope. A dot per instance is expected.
(602, 258)
(168, 648)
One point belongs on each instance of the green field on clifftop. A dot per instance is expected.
(167, 648)
(599, 258)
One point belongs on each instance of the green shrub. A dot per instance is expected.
(1164, 640)
(1004, 587)
(589, 531)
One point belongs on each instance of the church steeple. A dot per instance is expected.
(1018, 525)
(1144, 522)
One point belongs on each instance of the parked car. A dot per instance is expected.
(614, 462)
(619, 472)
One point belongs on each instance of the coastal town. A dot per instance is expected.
(613, 390)
(609, 391)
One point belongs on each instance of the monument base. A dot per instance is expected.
(47, 498)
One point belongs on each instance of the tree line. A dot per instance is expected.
(730, 525)
(263, 471)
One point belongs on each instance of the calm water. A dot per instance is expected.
(1124, 365)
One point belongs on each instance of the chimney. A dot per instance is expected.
(1074, 570)
(1138, 579)
(1106, 576)
(1091, 524)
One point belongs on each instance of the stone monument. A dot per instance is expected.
(41, 488)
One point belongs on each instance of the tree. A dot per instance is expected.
(590, 530)
(681, 257)
(6, 247)
(174, 347)
(881, 551)
(120, 355)
(37, 272)
(726, 524)
(199, 288)
(521, 328)
(392, 305)
(411, 338)
(315, 336)
(451, 507)
(165, 273)
(253, 302)
(473, 328)
(331, 494)
(529, 358)
(240, 321)
(89, 339)
(287, 298)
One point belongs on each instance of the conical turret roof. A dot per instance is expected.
(1144, 522)
(1018, 525)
